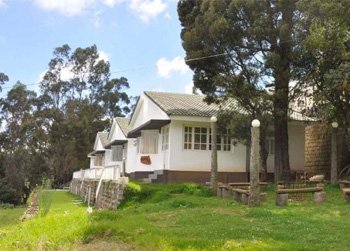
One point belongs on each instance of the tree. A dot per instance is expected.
(17, 110)
(326, 66)
(245, 47)
(79, 98)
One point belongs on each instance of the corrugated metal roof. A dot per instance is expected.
(193, 105)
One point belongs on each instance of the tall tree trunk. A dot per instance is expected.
(282, 70)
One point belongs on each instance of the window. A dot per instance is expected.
(270, 146)
(188, 137)
(98, 160)
(200, 138)
(223, 141)
(117, 153)
(149, 142)
(165, 139)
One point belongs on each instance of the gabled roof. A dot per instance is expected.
(187, 104)
(124, 125)
(193, 105)
(103, 137)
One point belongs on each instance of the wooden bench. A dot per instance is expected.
(245, 184)
(242, 195)
(343, 183)
(346, 194)
(223, 191)
(319, 196)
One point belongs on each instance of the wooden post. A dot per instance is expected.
(254, 197)
(214, 156)
(334, 164)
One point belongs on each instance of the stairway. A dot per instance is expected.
(153, 176)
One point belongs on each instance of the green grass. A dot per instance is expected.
(183, 217)
(10, 217)
(58, 225)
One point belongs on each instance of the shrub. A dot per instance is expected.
(6, 206)
(160, 196)
(135, 193)
(194, 189)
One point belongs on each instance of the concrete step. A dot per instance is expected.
(146, 180)
(159, 172)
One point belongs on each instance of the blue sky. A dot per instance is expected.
(131, 33)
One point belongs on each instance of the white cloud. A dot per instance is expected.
(112, 3)
(147, 9)
(189, 89)
(65, 7)
(166, 68)
(167, 15)
(2, 4)
(96, 19)
(103, 56)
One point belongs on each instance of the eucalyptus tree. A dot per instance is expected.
(79, 98)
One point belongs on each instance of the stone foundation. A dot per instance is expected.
(110, 194)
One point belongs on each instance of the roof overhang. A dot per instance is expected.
(149, 125)
(116, 142)
(94, 153)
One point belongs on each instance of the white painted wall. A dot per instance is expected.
(199, 160)
(146, 110)
(296, 148)
(156, 159)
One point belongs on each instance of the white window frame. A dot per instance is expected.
(221, 146)
(165, 138)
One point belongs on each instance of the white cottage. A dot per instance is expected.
(171, 141)
(97, 157)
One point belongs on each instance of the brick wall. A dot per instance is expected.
(110, 194)
(318, 150)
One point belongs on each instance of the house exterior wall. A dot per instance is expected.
(296, 149)
(156, 159)
(145, 111)
(199, 160)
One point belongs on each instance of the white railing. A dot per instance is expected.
(107, 173)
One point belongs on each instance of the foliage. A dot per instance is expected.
(7, 206)
(48, 135)
(245, 48)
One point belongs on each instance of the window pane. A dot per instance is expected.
(197, 130)
(203, 138)
(204, 130)
(197, 146)
(196, 138)
(203, 147)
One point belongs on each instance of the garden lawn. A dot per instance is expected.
(10, 217)
(172, 221)
(58, 226)
(183, 217)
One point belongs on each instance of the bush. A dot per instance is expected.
(194, 189)
(160, 196)
(135, 193)
(6, 206)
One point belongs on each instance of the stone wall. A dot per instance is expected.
(109, 196)
(318, 147)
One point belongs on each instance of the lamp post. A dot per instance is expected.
(334, 162)
(214, 155)
(254, 193)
